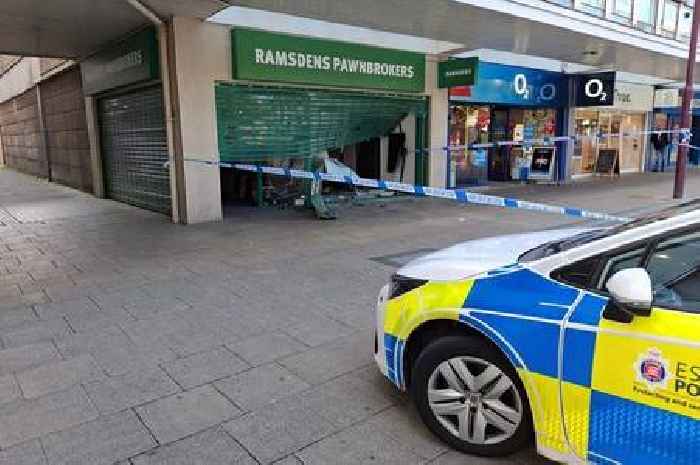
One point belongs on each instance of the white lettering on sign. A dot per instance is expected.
(289, 59)
(123, 62)
(594, 89)
(520, 84)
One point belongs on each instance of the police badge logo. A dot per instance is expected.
(652, 369)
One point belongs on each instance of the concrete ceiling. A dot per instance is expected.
(76, 28)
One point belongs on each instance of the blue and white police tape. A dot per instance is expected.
(459, 195)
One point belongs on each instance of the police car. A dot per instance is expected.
(585, 341)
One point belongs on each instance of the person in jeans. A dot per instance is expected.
(660, 143)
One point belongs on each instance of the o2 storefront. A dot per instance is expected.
(506, 104)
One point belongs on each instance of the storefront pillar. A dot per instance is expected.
(201, 56)
(439, 108)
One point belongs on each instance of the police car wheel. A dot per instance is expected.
(470, 396)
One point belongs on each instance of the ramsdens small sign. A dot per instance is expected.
(457, 72)
(265, 56)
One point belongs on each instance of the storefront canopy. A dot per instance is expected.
(260, 123)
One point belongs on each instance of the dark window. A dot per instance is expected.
(674, 267)
(630, 259)
(579, 274)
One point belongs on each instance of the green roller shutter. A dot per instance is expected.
(260, 123)
(135, 149)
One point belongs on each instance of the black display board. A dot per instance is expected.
(542, 163)
(607, 162)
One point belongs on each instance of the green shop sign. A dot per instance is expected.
(133, 60)
(457, 72)
(266, 56)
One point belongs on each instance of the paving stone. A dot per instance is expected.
(92, 320)
(69, 307)
(129, 390)
(204, 367)
(526, 457)
(34, 332)
(26, 357)
(289, 460)
(359, 445)
(280, 429)
(330, 360)
(318, 330)
(180, 415)
(28, 453)
(403, 424)
(260, 386)
(351, 398)
(17, 316)
(114, 351)
(100, 442)
(9, 389)
(59, 376)
(211, 447)
(23, 420)
(265, 348)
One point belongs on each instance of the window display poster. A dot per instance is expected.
(542, 165)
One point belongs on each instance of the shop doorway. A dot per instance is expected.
(368, 158)
(484, 124)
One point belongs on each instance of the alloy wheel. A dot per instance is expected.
(474, 400)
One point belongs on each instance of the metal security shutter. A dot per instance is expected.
(135, 149)
(261, 123)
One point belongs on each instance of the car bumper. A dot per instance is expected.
(379, 344)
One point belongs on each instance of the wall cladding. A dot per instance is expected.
(66, 129)
(21, 136)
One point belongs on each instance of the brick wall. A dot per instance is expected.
(66, 129)
(21, 138)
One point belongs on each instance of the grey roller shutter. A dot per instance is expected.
(135, 149)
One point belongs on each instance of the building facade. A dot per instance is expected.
(148, 118)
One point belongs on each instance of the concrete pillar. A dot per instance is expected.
(439, 106)
(93, 130)
(200, 56)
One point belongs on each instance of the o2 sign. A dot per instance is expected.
(594, 90)
(544, 93)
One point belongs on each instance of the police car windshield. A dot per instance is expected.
(554, 247)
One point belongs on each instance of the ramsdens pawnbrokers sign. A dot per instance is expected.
(265, 56)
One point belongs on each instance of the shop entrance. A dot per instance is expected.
(600, 147)
(483, 124)
(339, 132)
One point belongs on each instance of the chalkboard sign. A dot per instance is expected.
(607, 162)
(542, 164)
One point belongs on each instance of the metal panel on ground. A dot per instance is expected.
(135, 149)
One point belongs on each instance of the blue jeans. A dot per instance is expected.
(660, 159)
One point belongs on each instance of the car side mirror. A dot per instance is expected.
(630, 295)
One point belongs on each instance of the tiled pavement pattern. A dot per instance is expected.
(125, 339)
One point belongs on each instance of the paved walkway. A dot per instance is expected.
(126, 339)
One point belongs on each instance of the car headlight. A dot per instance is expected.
(403, 284)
